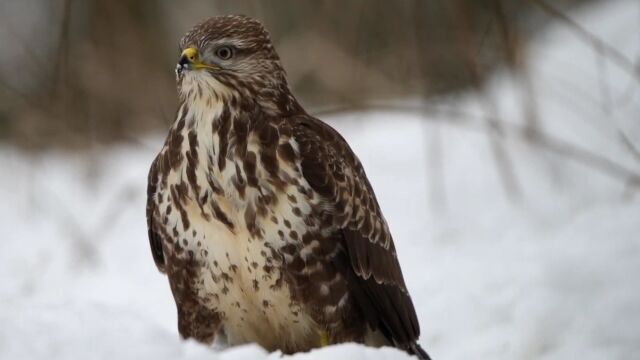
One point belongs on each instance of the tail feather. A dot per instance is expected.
(418, 351)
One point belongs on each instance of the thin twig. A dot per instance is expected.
(63, 50)
(503, 161)
(616, 56)
(515, 53)
(546, 141)
(434, 171)
(629, 145)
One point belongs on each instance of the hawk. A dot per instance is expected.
(261, 216)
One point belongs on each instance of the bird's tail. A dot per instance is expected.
(418, 351)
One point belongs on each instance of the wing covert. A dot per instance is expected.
(335, 173)
(155, 241)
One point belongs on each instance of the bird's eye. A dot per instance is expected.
(224, 52)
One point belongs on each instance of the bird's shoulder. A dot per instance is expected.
(333, 170)
(326, 157)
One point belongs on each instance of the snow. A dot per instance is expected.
(550, 273)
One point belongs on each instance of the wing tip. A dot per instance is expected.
(419, 352)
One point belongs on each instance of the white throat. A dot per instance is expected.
(204, 96)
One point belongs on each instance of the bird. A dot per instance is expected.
(261, 216)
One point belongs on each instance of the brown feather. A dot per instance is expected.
(374, 274)
(154, 240)
(328, 260)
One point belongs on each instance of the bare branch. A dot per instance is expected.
(602, 47)
(63, 50)
(503, 161)
(629, 145)
(516, 55)
(546, 141)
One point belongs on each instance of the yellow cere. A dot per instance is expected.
(192, 55)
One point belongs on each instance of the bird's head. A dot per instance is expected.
(230, 56)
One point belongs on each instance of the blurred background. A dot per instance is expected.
(76, 73)
(502, 138)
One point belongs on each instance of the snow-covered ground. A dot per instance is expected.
(547, 271)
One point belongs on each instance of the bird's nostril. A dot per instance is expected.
(185, 60)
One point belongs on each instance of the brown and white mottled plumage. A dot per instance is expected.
(261, 216)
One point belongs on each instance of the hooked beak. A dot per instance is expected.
(190, 60)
